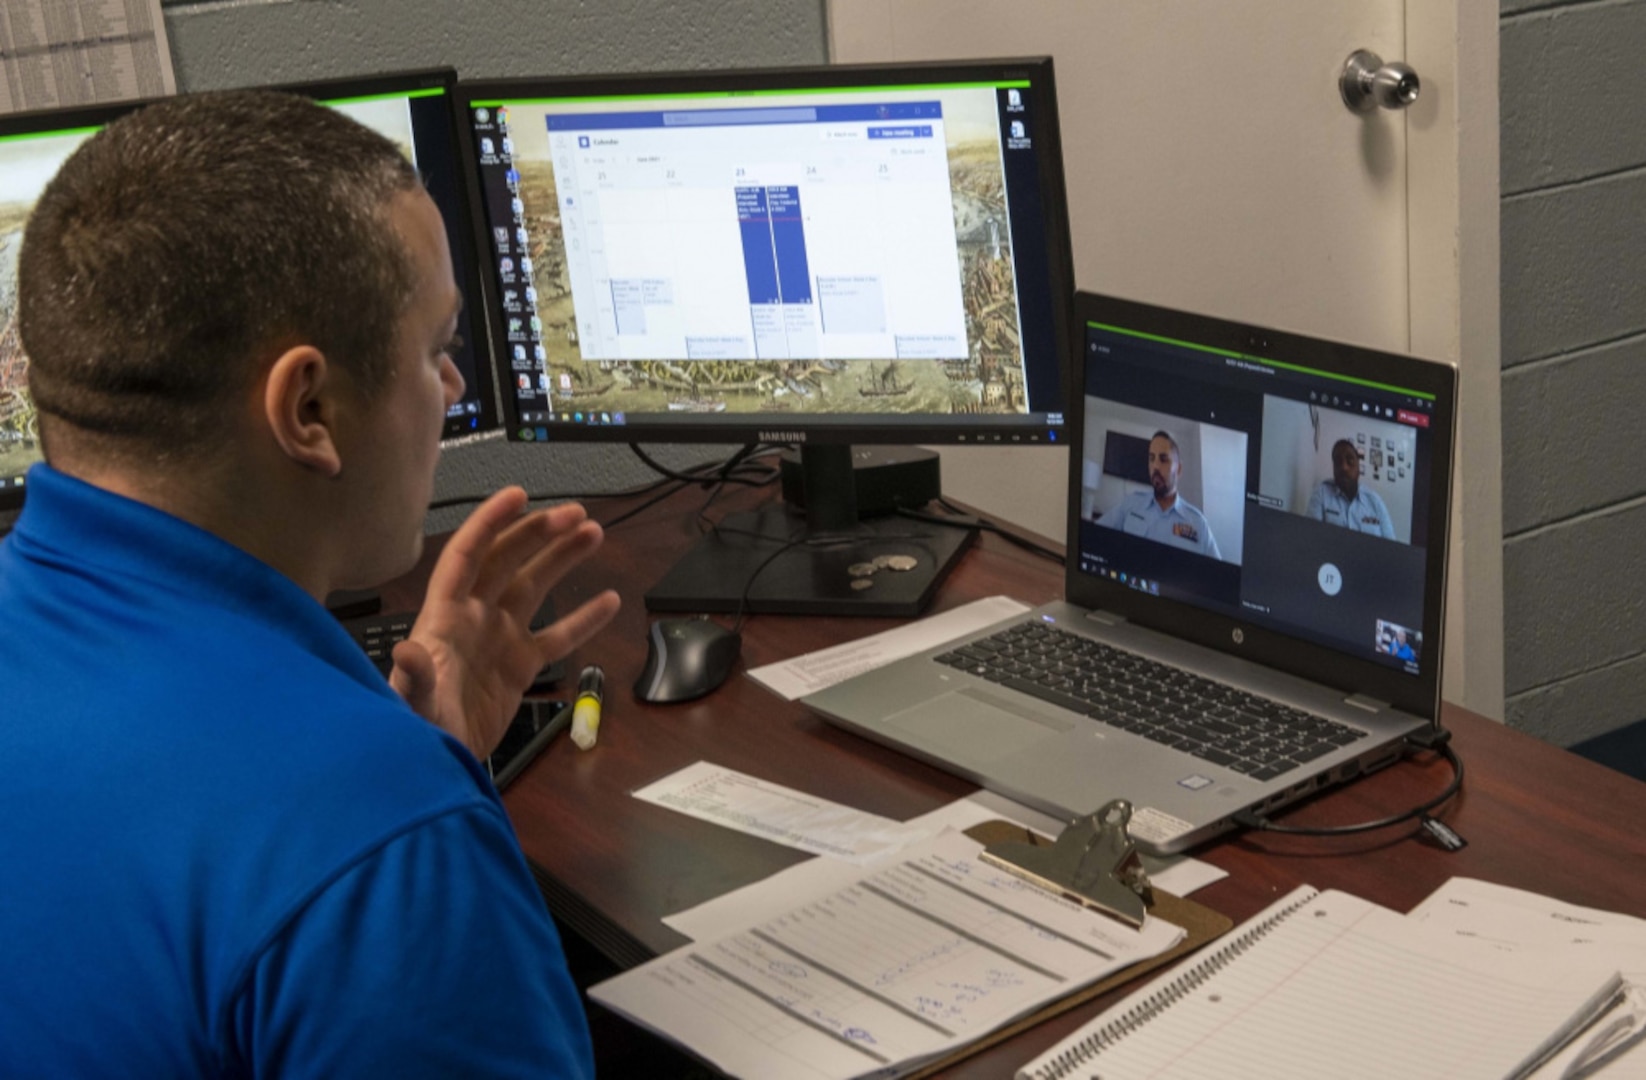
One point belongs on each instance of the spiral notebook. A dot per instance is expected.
(1327, 984)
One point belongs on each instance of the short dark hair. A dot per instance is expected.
(1345, 444)
(1162, 434)
(189, 241)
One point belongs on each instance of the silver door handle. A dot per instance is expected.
(1368, 82)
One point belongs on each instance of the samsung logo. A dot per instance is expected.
(782, 436)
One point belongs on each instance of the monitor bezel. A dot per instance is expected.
(1417, 694)
(325, 90)
(800, 429)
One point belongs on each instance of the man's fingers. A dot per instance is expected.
(461, 561)
(524, 540)
(413, 677)
(556, 559)
(573, 629)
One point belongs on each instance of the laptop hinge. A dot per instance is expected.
(1370, 704)
(1107, 618)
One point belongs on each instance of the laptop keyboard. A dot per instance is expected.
(1216, 723)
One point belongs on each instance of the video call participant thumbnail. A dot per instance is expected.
(1343, 501)
(1162, 514)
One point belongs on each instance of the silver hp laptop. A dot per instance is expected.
(1254, 588)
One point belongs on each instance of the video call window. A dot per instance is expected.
(1264, 491)
(1340, 467)
(1199, 469)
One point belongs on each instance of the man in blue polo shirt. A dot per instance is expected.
(1162, 514)
(230, 847)
(1342, 500)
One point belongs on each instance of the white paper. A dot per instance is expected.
(1514, 919)
(754, 806)
(805, 881)
(56, 55)
(914, 959)
(814, 671)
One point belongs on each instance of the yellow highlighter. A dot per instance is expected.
(586, 709)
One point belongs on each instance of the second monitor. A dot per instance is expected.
(817, 257)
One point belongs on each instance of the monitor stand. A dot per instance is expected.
(823, 561)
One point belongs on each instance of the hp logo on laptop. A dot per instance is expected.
(1239, 636)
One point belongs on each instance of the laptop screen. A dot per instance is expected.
(1303, 495)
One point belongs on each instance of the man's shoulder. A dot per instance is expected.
(1190, 510)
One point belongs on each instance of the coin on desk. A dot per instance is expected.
(862, 569)
(900, 562)
(862, 583)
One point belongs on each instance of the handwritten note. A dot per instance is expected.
(908, 962)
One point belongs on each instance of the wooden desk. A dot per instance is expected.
(611, 866)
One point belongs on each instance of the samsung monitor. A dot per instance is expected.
(818, 257)
(413, 109)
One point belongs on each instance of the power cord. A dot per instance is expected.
(1436, 739)
(961, 520)
(692, 474)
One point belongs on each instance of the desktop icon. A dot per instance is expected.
(508, 145)
(506, 265)
(520, 352)
(577, 417)
(487, 149)
(605, 418)
(617, 418)
(1014, 99)
(583, 142)
(482, 116)
(1018, 131)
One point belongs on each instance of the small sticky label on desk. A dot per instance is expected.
(1156, 826)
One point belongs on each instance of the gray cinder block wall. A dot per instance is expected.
(1574, 364)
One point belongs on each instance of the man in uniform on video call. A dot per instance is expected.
(231, 847)
(1162, 514)
(1343, 501)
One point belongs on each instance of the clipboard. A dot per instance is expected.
(1200, 922)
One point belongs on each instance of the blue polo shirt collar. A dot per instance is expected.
(98, 529)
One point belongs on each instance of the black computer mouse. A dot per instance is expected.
(685, 659)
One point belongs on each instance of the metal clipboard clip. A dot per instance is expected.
(1093, 861)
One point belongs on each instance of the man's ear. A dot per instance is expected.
(300, 407)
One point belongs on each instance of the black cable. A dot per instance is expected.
(1437, 739)
(726, 468)
(962, 520)
(673, 488)
(583, 496)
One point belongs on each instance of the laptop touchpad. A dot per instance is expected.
(974, 725)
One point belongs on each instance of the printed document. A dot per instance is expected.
(909, 962)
